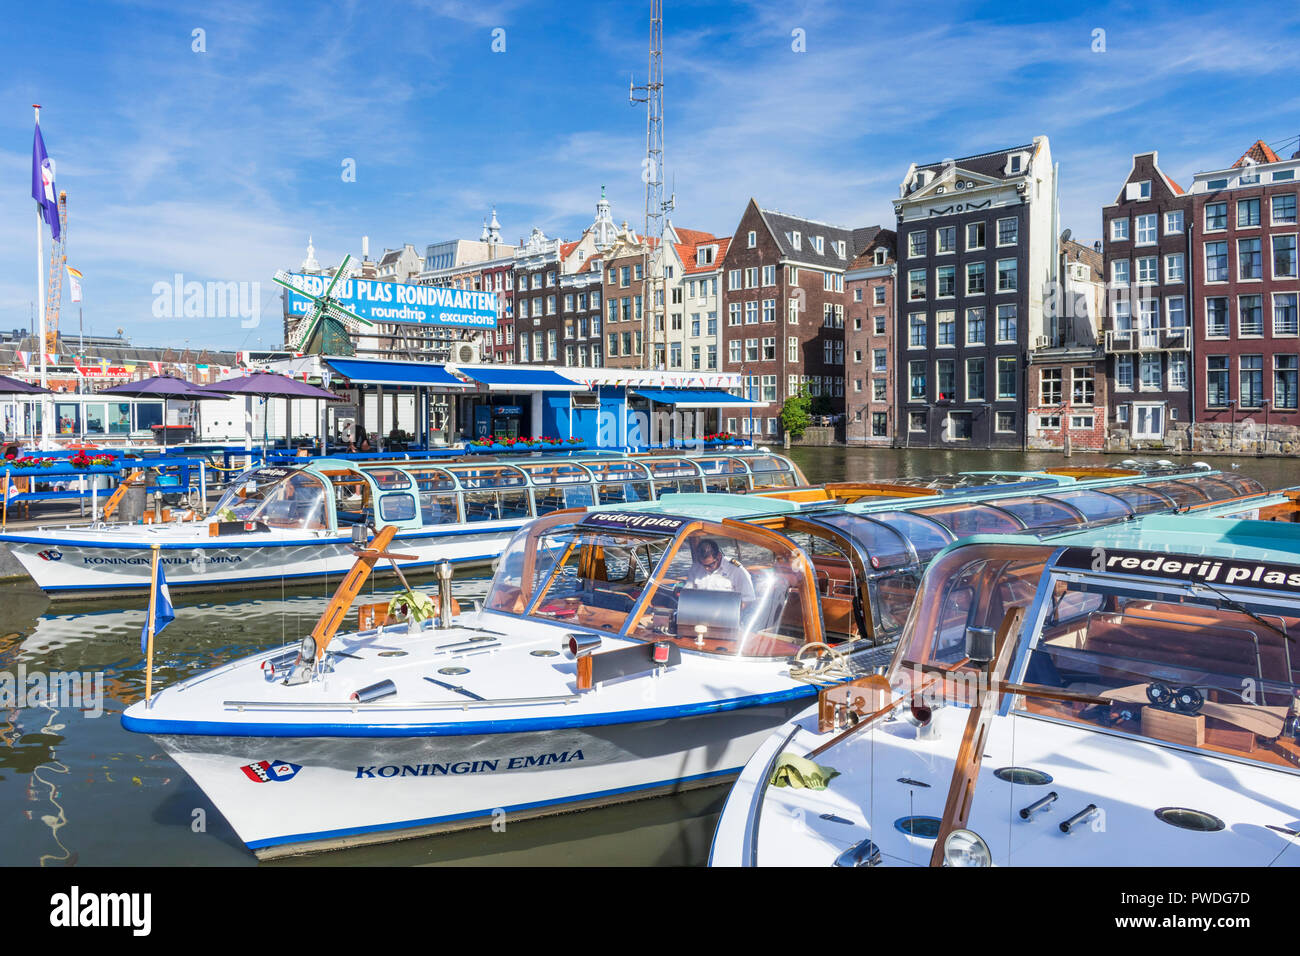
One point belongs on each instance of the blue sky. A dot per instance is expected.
(218, 164)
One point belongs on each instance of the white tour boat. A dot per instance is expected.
(1124, 696)
(299, 522)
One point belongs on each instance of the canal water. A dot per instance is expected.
(75, 788)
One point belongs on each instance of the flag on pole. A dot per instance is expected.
(163, 612)
(74, 283)
(43, 184)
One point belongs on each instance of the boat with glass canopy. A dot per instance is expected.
(1122, 695)
(299, 522)
(622, 651)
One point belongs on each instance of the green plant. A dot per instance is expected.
(796, 413)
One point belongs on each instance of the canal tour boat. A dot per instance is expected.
(620, 652)
(1128, 695)
(299, 522)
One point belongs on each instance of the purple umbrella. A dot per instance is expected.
(271, 385)
(14, 386)
(164, 387)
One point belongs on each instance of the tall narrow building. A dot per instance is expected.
(976, 247)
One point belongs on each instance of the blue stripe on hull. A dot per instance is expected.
(268, 578)
(208, 728)
(486, 813)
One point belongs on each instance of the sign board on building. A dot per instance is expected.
(402, 302)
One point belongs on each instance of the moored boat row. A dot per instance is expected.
(623, 650)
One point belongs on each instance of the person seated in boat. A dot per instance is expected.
(711, 571)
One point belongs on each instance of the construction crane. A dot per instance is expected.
(54, 279)
(652, 172)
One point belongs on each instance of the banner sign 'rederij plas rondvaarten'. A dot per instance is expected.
(402, 302)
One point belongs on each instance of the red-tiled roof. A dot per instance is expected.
(686, 252)
(567, 247)
(1259, 152)
(692, 236)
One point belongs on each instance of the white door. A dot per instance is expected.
(1148, 422)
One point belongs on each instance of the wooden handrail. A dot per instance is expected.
(349, 588)
(966, 768)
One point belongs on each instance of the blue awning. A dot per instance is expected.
(693, 397)
(511, 378)
(364, 372)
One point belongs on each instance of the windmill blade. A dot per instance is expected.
(293, 288)
(341, 274)
(343, 313)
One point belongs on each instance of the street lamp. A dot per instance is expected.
(1232, 435)
(1260, 449)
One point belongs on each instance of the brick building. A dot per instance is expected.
(1066, 387)
(1147, 233)
(976, 247)
(870, 399)
(783, 310)
(1248, 346)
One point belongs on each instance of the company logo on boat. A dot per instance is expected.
(1194, 569)
(522, 762)
(102, 559)
(626, 521)
(270, 771)
(50, 554)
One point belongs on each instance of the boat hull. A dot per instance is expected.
(67, 567)
(348, 791)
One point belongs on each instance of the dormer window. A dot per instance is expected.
(796, 240)
(839, 247)
(879, 257)
(817, 244)
(1015, 163)
(704, 255)
(1138, 190)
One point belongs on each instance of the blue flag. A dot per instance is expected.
(163, 613)
(43, 184)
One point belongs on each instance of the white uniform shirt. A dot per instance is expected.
(727, 576)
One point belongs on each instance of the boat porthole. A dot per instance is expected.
(926, 828)
(481, 637)
(1186, 819)
(545, 653)
(1024, 776)
(392, 653)
(453, 671)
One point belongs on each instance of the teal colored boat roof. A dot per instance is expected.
(1277, 541)
(713, 507)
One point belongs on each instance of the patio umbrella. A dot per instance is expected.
(14, 386)
(164, 387)
(270, 385)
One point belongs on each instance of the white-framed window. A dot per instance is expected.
(945, 239)
(974, 235)
(916, 331)
(796, 240)
(1178, 364)
(1007, 376)
(1124, 372)
(1007, 275)
(1174, 222)
(975, 331)
(1284, 314)
(769, 275)
(1284, 256)
(1119, 274)
(879, 360)
(751, 277)
(916, 244)
(1216, 216)
(1284, 209)
(1008, 232)
(1146, 229)
(945, 281)
(879, 298)
(974, 379)
(945, 328)
(752, 239)
(915, 284)
(735, 279)
(1174, 267)
(1007, 324)
(975, 278)
(1148, 270)
(1217, 317)
(1119, 229)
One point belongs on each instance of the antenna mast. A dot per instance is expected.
(652, 173)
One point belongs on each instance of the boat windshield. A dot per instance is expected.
(277, 497)
(1188, 661)
(739, 592)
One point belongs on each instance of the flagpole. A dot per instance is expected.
(40, 288)
(153, 610)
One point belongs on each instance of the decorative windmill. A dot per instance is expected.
(327, 326)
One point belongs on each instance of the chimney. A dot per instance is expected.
(365, 247)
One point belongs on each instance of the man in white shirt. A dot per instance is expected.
(710, 571)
